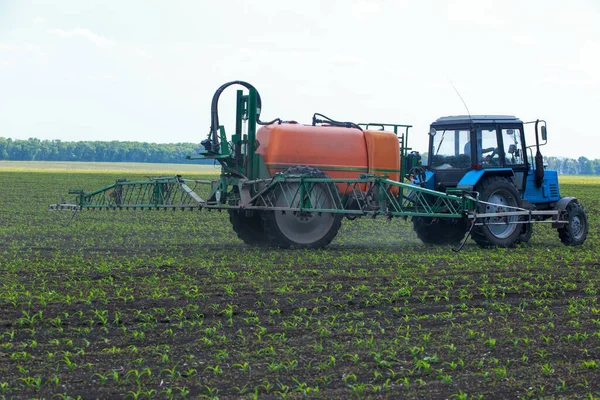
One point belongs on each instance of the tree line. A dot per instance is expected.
(571, 166)
(114, 151)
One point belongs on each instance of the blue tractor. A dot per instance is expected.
(488, 155)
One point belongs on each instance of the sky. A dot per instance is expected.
(145, 70)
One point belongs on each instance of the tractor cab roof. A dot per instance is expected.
(476, 119)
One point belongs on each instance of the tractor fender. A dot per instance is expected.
(471, 178)
(561, 206)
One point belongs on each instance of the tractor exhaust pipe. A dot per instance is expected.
(539, 160)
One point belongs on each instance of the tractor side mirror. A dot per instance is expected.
(432, 131)
(544, 135)
(512, 149)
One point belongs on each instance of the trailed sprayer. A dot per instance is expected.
(285, 184)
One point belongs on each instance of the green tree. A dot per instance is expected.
(585, 166)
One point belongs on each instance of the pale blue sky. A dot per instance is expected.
(146, 70)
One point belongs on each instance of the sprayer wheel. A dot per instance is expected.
(439, 231)
(527, 228)
(499, 195)
(526, 233)
(248, 228)
(313, 230)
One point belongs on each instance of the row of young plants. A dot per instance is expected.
(171, 305)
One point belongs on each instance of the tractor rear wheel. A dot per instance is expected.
(302, 229)
(248, 228)
(575, 231)
(439, 231)
(498, 195)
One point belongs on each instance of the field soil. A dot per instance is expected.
(145, 304)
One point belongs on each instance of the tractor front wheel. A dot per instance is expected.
(575, 231)
(497, 195)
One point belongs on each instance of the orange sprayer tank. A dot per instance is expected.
(338, 152)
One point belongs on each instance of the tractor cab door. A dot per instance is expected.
(500, 146)
(485, 149)
(514, 153)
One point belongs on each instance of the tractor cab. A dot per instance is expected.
(462, 149)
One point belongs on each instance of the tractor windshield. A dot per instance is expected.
(451, 149)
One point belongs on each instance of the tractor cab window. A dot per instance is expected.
(513, 149)
(449, 149)
(488, 153)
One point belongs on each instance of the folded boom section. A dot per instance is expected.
(155, 193)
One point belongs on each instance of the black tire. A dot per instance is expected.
(575, 231)
(248, 228)
(497, 231)
(526, 233)
(527, 228)
(308, 230)
(439, 231)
